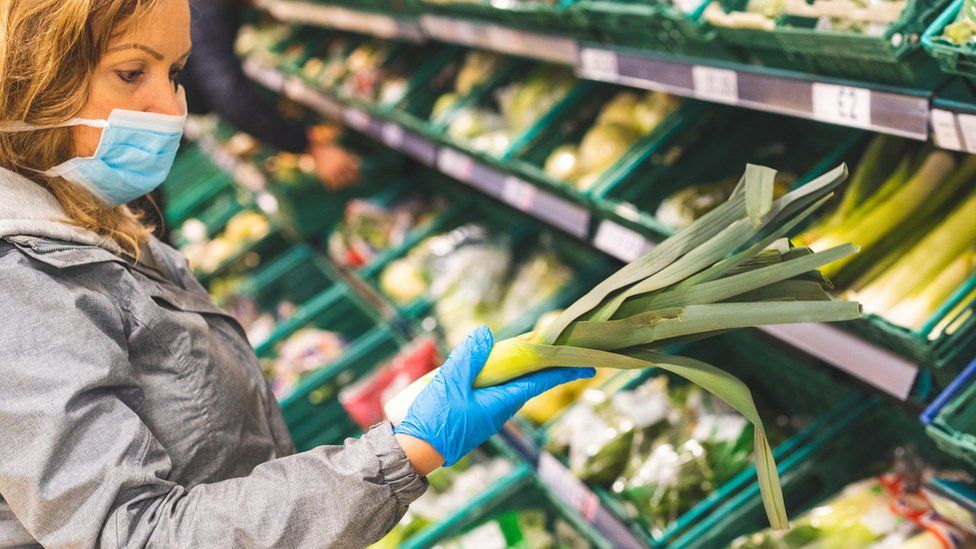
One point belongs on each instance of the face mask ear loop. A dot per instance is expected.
(21, 127)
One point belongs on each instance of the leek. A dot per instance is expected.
(901, 206)
(695, 284)
(914, 310)
(925, 261)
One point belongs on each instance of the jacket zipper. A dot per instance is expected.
(49, 247)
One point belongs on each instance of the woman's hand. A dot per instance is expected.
(334, 165)
(450, 418)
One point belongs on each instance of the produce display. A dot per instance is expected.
(472, 279)
(913, 211)
(622, 121)
(870, 17)
(513, 109)
(963, 29)
(206, 255)
(729, 269)
(685, 206)
(364, 399)
(890, 511)
(661, 447)
(370, 228)
(520, 529)
(305, 351)
(476, 69)
(450, 489)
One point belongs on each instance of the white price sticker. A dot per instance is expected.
(518, 193)
(356, 119)
(967, 126)
(843, 105)
(393, 135)
(944, 130)
(599, 64)
(455, 164)
(713, 84)
(507, 40)
(620, 242)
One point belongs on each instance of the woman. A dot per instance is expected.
(132, 411)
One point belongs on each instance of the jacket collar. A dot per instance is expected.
(28, 209)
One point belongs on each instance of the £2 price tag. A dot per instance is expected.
(393, 135)
(845, 105)
(599, 64)
(944, 130)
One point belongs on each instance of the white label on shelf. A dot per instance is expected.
(944, 130)
(967, 125)
(487, 536)
(865, 361)
(393, 135)
(518, 193)
(599, 64)
(563, 483)
(507, 40)
(843, 105)
(302, 93)
(713, 84)
(455, 164)
(620, 242)
(357, 119)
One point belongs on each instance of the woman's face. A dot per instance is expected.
(139, 71)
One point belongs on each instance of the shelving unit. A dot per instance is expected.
(946, 115)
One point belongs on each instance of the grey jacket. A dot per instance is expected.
(133, 413)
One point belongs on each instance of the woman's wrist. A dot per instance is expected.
(422, 456)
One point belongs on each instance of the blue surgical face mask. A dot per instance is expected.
(133, 158)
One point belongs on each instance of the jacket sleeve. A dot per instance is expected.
(79, 468)
(215, 72)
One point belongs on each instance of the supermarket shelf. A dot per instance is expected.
(352, 20)
(508, 40)
(875, 366)
(571, 490)
(856, 105)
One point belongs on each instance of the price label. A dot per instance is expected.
(506, 40)
(713, 84)
(967, 126)
(564, 484)
(518, 193)
(843, 105)
(249, 177)
(455, 164)
(621, 242)
(944, 130)
(393, 135)
(357, 119)
(599, 64)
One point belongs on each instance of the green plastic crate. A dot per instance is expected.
(893, 58)
(537, 16)
(250, 256)
(312, 410)
(519, 491)
(296, 277)
(584, 108)
(728, 139)
(414, 110)
(951, 419)
(655, 25)
(777, 379)
(484, 96)
(952, 58)
(201, 189)
(856, 447)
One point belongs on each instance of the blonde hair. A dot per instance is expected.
(49, 50)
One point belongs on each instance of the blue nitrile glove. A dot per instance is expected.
(455, 418)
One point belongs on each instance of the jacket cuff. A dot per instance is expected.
(395, 468)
